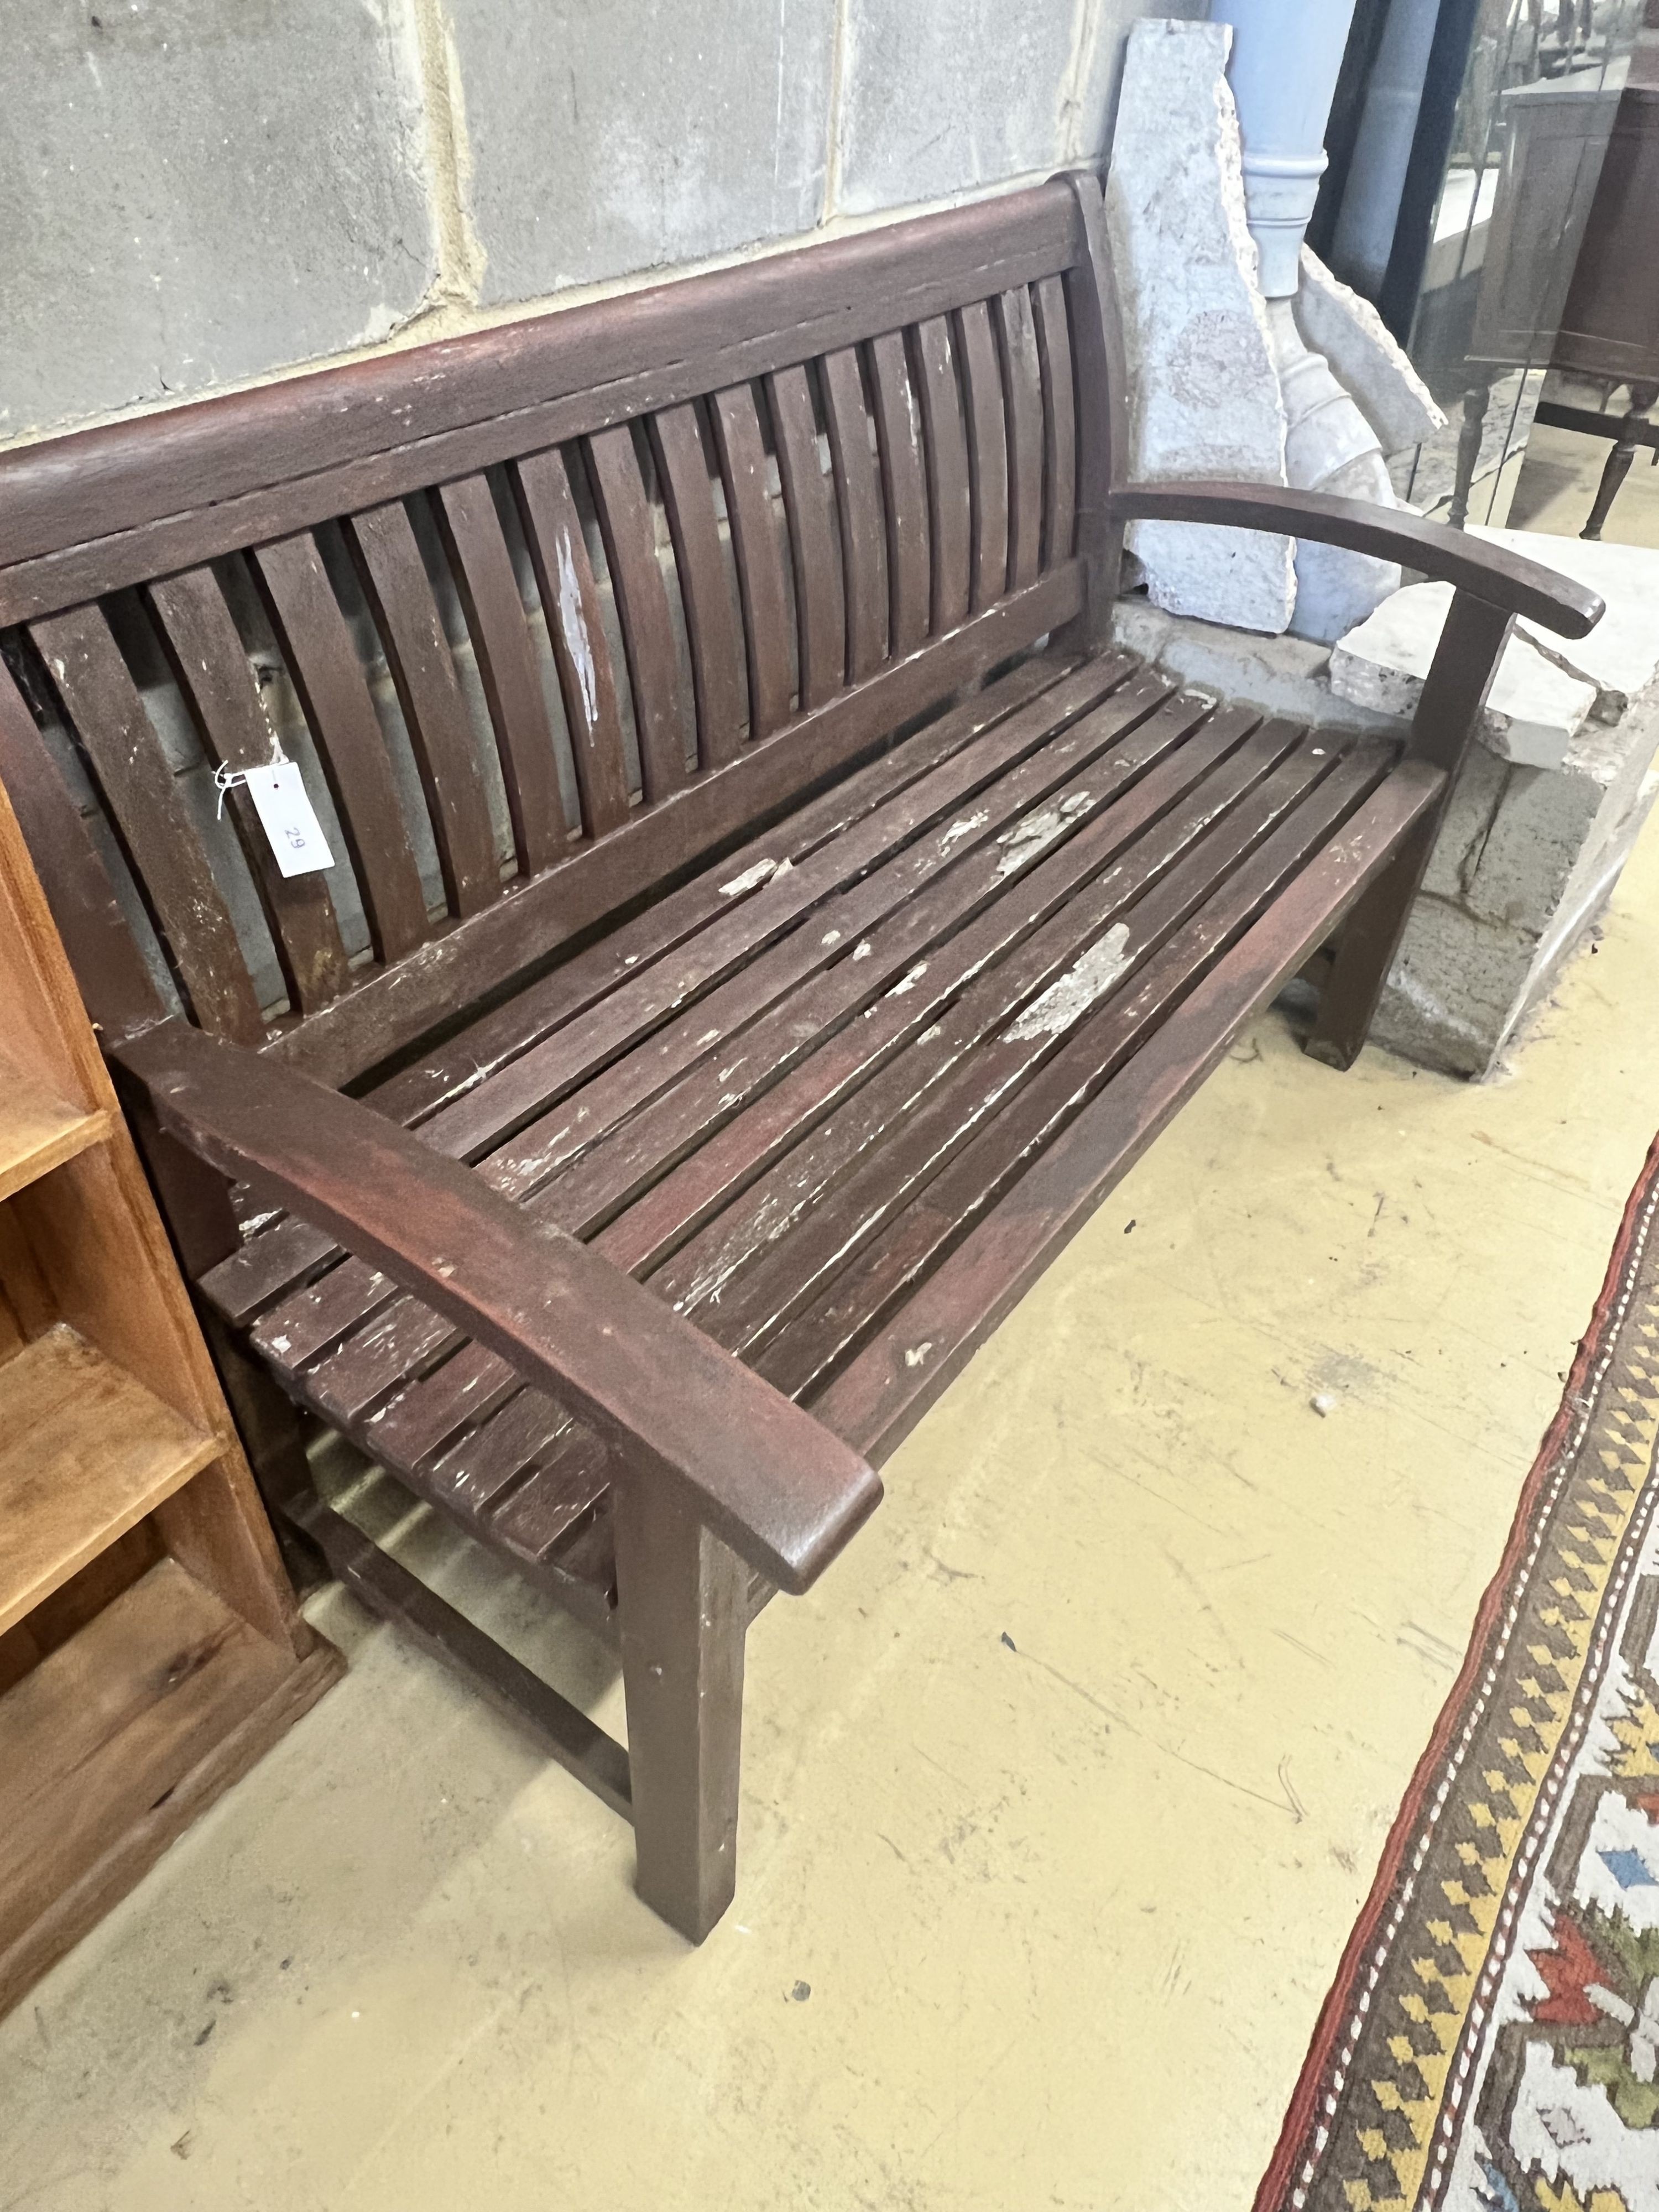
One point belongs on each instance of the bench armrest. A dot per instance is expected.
(766, 1477)
(1504, 580)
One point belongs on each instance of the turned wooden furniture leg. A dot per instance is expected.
(682, 1603)
(1642, 398)
(1476, 400)
(1465, 664)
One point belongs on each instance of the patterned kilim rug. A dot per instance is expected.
(1491, 2041)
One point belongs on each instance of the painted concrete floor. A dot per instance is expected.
(1063, 1789)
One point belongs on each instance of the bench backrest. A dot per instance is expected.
(545, 613)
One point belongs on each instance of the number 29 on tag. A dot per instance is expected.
(287, 818)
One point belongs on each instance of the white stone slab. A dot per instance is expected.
(1366, 357)
(1204, 394)
(1285, 675)
(1535, 708)
(1620, 656)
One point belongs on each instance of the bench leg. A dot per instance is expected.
(681, 1606)
(1366, 951)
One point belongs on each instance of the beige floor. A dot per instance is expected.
(1558, 482)
(1063, 1789)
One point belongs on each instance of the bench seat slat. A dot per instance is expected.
(945, 1164)
(483, 1046)
(490, 1112)
(619, 1055)
(1171, 938)
(244, 1285)
(477, 1474)
(612, 1165)
(809, 1180)
(790, 1222)
(878, 1397)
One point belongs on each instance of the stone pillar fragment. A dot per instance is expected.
(1204, 394)
(1545, 809)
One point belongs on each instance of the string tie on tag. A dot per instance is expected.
(227, 779)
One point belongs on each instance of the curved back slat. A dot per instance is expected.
(483, 569)
(315, 642)
(760, 565)
(399, 589)
(628, 528)
(570, 599)
(1022, 384)
(814, 537)
(214, 674)
(988, 456)
(854, 457)
(103, 706)
(120, 993)
(949, 502)
(1053, 338)
(904, 474)
(711, 624)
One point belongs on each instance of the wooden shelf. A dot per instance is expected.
(85, 1452)
(39, 1130)
(111, 1747)
(150, 1646)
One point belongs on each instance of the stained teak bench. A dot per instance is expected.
(765, 916)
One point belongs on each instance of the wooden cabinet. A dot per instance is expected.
(1610, 329)
(150, 1649)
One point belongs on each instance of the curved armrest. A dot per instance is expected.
(1504, 580)
(763, 1474)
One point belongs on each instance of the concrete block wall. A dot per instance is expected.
(200, 193)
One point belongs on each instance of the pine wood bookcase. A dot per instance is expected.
(150, 1649)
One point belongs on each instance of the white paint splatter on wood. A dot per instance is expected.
(1071, 995)
(575, 631)
(965, 828)
(751, 879)
(1028, 838)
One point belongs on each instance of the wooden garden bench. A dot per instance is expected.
(765, 917)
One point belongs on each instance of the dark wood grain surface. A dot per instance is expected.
(671, 1405)
(1503, 579)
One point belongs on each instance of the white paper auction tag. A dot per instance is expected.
(286, 815)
